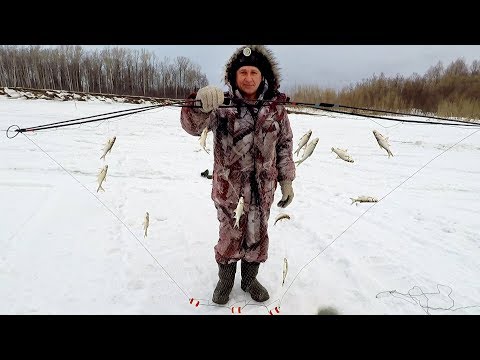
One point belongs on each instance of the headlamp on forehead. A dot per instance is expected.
(248, 56)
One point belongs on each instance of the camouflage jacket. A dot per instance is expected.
(253, 149)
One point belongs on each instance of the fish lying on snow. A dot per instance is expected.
(146, 222)
(362, 199)
(285, 269)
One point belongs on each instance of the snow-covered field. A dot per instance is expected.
(66, 249)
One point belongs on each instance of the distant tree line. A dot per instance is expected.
(453, 91)
(109, 71)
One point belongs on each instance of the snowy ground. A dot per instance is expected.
(67, 249)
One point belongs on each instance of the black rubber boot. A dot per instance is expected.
(226, 276)
(250, 284)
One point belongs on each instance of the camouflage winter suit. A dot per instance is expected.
(252, 149)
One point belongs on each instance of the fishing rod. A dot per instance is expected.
(40, 127)
(322, 106)
(78, 122)
(460, 123)
(367, 109)
(234, 102)
(229, 103)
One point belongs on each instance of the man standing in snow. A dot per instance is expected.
(253, 150)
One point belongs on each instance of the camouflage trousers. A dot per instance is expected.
(249, 241)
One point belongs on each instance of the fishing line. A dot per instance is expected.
(115, 215)
(391, 191)
(52, 127)
(387, 127)
(48, 126)
(426, 307)
(359, 217)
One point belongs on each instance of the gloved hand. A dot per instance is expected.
(287, 193)
(211, 97)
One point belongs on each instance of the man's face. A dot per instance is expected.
(248, 80)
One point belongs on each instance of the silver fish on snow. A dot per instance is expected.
(382, 142)
(146, 222)
(362, 199)
(101, 177)
(308, 151)
(108, 147)
(238, 212)
(285, 269)
(342, 154)
(303, 142)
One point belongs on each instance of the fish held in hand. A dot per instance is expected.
(101, 177)
(108, 147)
(146, 222)
(362, 199)
(281, 217)
(303, 142)
(382, 142)
(238, 212)
(308, 151)
(342, 154)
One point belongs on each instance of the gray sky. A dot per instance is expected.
(333, 66)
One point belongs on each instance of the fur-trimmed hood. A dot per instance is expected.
(259, 56)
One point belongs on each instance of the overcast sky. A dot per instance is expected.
(333, 66)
